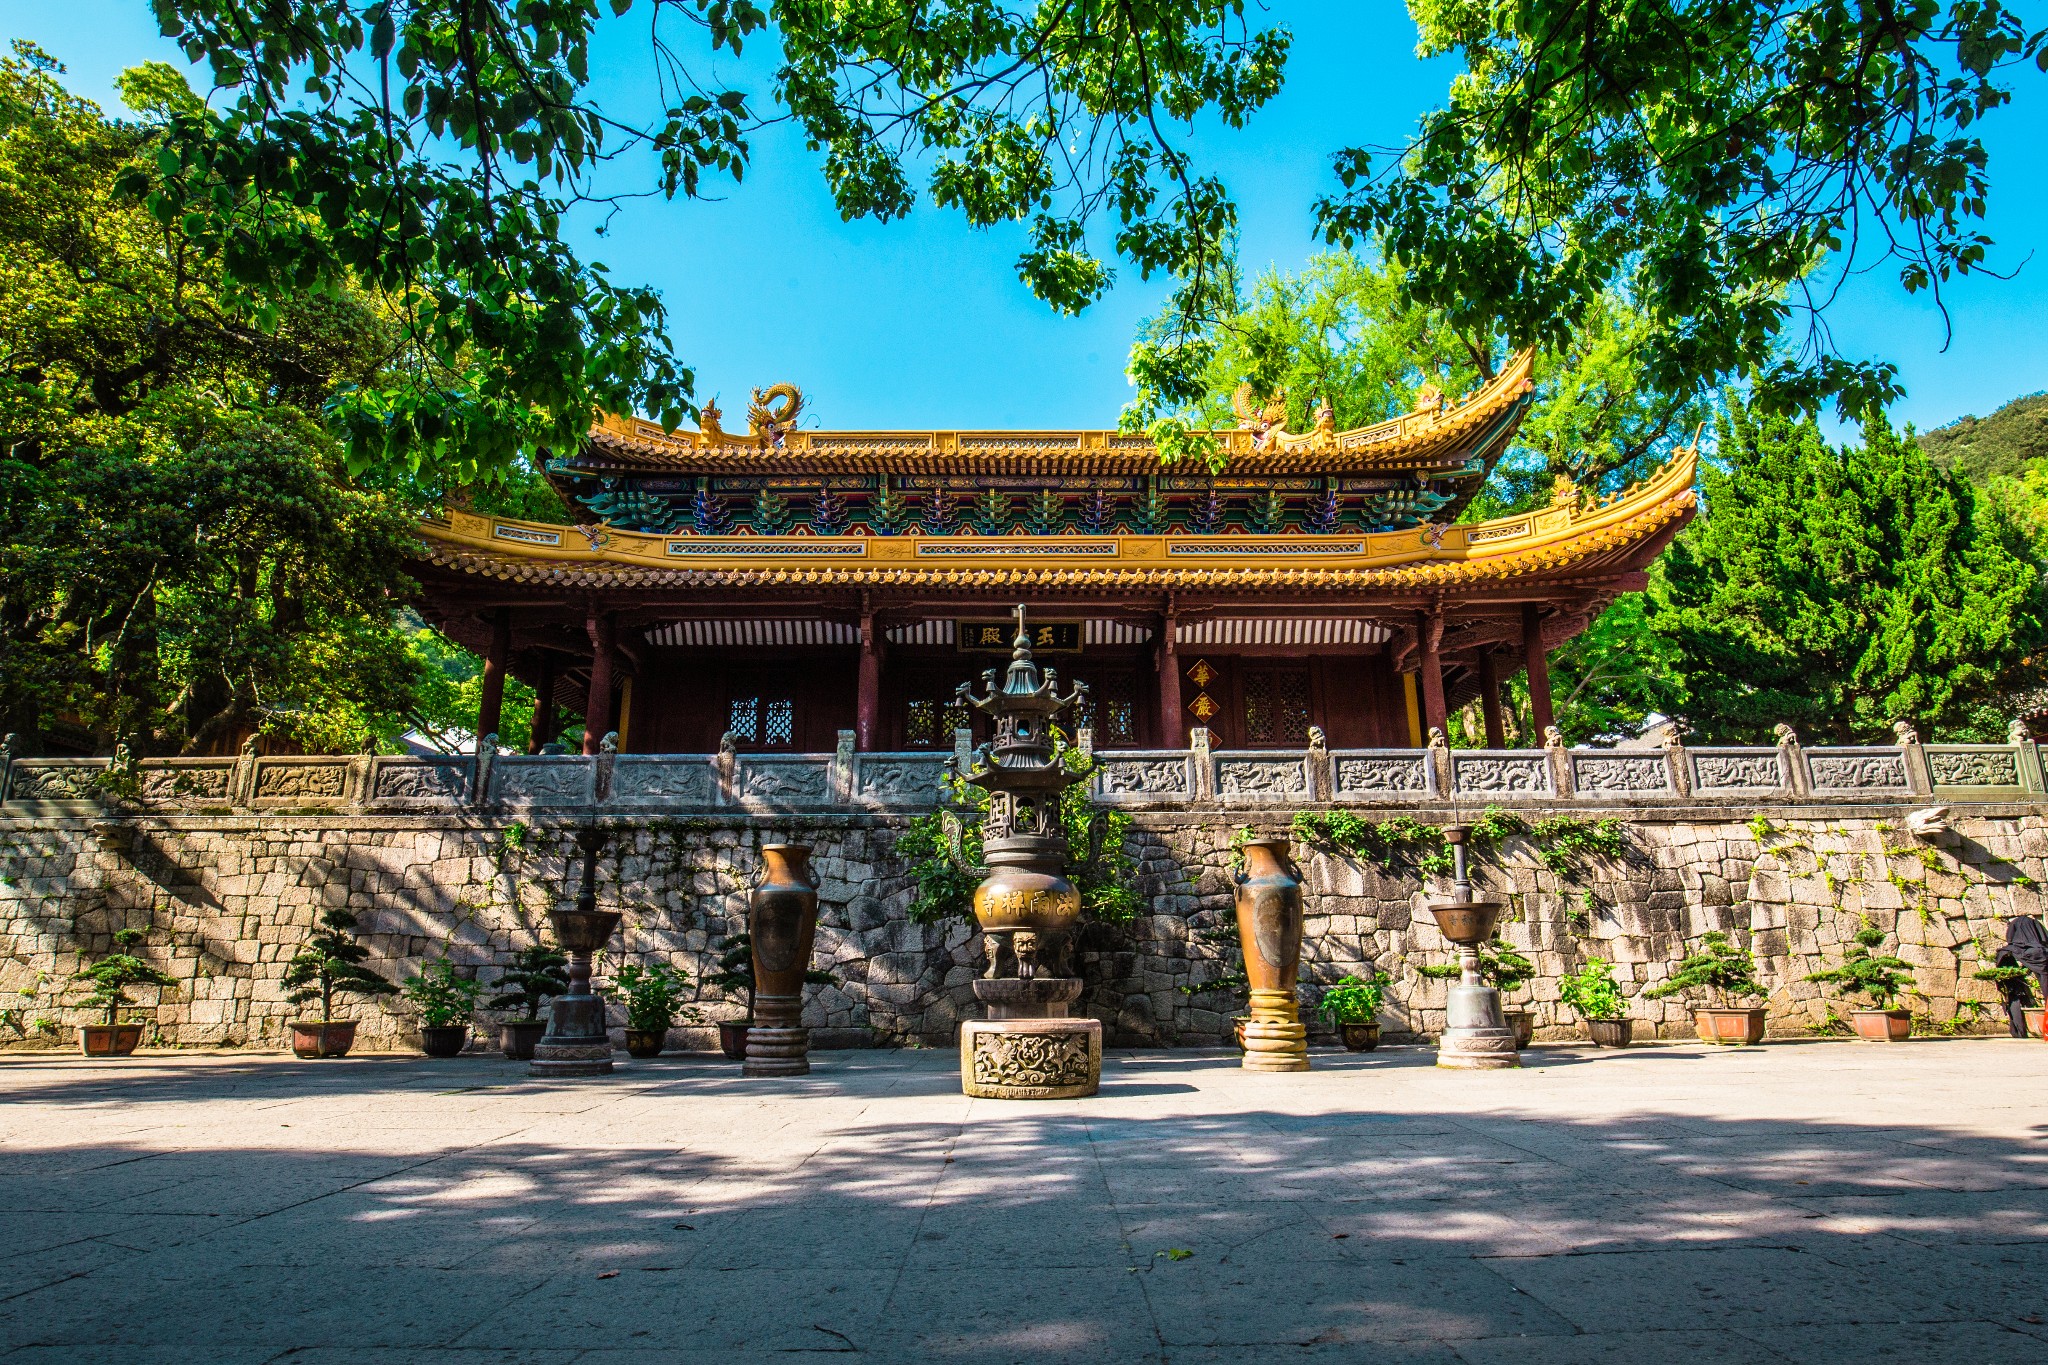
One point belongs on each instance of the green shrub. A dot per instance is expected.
(654, 995)
(113, 974)
(1353, 1000)
(1865, 971)
(331, 964)
(1500, 967)
(1593, 992)
(1727, 973)
(536, 975)
(442, 995)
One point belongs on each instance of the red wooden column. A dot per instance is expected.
(867, 712)
(1172, 729)
(1430, 636)
(597, 708)
(1538, 664)
(543, 728)
(1489, 700)
(490, 707)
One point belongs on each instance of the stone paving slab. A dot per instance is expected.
(1800, 1202)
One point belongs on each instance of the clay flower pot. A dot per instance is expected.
(1610, 1032)
(1524, 1025)
(1883, 1026)
(109, 1040)
(516, 1037)
(782, 922)
(2036, 1027)
(1269, 930)
(732, 1038)
(444, 1040)
(323, 1038)
(1735, 1027)
(645, 1042)
(1360, 1037)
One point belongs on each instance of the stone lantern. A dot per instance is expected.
(1028, 1048)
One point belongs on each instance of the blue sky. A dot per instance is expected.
(923, 324)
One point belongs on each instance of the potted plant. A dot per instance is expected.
(1352, 1006)
(1502, 968)
(1727, 974)
(536, 975)
(447, 1001)
(111, 977)
(1594, 993)
(654, 1001)
(2015, 992)
(1883, 978)
(330, 964)
(735, 976)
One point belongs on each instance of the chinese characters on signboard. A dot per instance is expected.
(1058, 637)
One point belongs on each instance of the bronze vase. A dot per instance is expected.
(1269, 928)
(782, 922)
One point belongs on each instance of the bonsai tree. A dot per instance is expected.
(536, 975)
(1864, 971)
(113, 974)
(1500, 967)
(1727, 973)
(735, 974)
(1353, 1000)
(443, 997)
(654, 995)
(1592, 991)
(331, 964)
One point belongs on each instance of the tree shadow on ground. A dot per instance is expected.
(386, 1211)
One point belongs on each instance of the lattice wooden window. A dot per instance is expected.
(1113, 711)
(928, 723)
(1276, 706)
(766, 722)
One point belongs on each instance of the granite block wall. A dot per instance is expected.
(226, 899)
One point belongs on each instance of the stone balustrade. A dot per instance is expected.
(1196, 778)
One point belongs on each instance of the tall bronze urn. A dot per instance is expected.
(1028, 1048)
(782, 922)
(1269, 927)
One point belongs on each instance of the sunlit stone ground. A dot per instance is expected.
(1808, 1202)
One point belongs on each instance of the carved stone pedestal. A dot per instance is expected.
(576, 1043)
(1275, 1039)
(1476, 1036)
(1028, 1049)
(777, 1045)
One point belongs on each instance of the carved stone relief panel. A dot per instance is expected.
(1479, 773)
(1396, 774)
(543, 781)
(1974, 767)
(1140, 778)
(786, 785)
(399, 779)
(686, 780)
(1737, 770)
(1031, 1059)
(905, 782)
(286, 781)
(1857, 770)
(187, 783)
(1621, 775)
(58, 781)
(1263, 777)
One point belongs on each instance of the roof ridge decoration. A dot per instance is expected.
(1567, 537)
(1434, 433)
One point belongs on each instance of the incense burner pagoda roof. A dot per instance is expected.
(1570, 539)
(1437, 435)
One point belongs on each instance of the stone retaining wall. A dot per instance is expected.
(226, 899)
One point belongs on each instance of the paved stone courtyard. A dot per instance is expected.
(1802, 1201)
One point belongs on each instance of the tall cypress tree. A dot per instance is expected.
(1842, 589)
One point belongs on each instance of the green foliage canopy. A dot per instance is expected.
(1842, 589)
